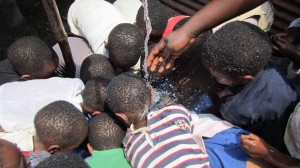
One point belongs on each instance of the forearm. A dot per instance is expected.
(217, 12)
(281, 160)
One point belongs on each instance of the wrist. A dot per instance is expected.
(270, 154)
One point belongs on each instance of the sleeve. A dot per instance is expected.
(295, 23)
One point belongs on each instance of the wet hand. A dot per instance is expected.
(254, 145)
(164, 53)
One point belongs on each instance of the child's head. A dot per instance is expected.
(125, 45)
(128, 94)
(105, 133)
(96, 65)
(60, 126)
(10, 155)
(158, 16)
(94, 96)
(236, 53)
(66, 160)
(32, 58)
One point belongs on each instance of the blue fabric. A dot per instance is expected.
(203, 102)
(263, 105)
(224, 149)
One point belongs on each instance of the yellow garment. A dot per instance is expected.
(265, 13)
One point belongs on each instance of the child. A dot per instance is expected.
(60, 127)
(66, 160)
(161, 136)
(105, 142)
(28, 58)
(238, 55)
(10, 155)
(158, 15)
(94, 96)
(125, 47)
(96, 65)
(93, 20)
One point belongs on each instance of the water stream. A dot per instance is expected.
(148, 30)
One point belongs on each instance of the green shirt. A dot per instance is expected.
(113, 158)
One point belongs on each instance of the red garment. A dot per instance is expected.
(171, 24)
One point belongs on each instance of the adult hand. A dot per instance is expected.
(164, 53)
(282, 47)
(254, 145)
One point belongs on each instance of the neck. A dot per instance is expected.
(140, 122)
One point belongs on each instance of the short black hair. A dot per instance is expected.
(29, 55)
(105, 132)
(125, 45)
(127, 93)
(94, 94)
(96, 65)
(158, 16)
(63, 160)
(237, 49)
(60, 123)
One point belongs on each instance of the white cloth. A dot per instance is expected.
(292, 135)
(207, 125)
(129, 8)
(264, 12)
(94, 20)
(23, 139)
(20, 101)
(79, 49)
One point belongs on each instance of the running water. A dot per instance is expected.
(148, 30)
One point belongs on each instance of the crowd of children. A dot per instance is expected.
(222, 102)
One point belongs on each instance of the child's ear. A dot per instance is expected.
(26, 77)
(90, 148)
(124, 118)
(247, 78)
(94, 113)
(105, 44)
(53, 149)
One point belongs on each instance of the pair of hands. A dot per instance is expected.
(165, 52)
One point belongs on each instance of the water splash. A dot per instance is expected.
(148, 30)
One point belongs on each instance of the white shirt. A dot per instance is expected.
(94, 20)
(129, 8)
(20, 101)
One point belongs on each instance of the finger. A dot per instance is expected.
(162, 66)
(170, 64)
(154, 53)
(154, 64)
(282, 40)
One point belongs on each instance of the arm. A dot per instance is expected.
(257, 147)
(212, 14)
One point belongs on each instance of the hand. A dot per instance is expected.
(254, 145)
(282, 47)
(169, 48)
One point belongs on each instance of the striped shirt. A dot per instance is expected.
(167, 141)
